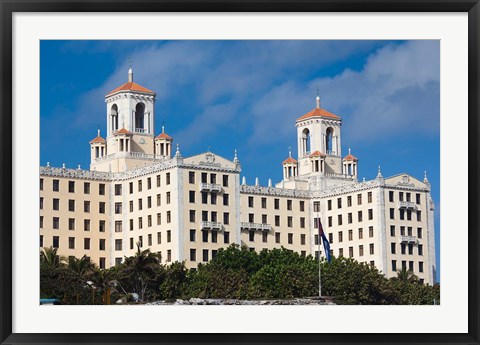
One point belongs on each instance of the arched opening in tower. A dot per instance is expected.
(140, 117)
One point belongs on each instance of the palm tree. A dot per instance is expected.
(49, 258)
(104, 281)
(137, 268)
(405, 276)
(81, 266)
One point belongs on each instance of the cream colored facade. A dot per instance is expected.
(186, 208)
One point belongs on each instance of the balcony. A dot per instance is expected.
(256, 226)
(408, 239)
(210, 187)
(214, 226)
(408, 205)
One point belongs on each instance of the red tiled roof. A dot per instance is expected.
(318, 112)
(164, 136)
(290, 160)
(123, 131)
(350, 157)
(98, 139)
(317, 154)
(131, 86)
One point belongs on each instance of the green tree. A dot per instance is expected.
(405, 276)
(50, 258)
(83, 266)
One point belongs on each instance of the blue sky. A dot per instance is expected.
(246, 95)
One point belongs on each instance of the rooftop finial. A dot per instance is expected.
(289, 152)
(318, 98)
(425, 179)
(379, 175)
(130, 71)
(98, 132)
(349, 151)
(178, 154)
(163, 127)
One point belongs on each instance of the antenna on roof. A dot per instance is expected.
(163, 126)
(130, 71)
(290, 152)
(318, 97)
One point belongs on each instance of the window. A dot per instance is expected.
(302, 239)
(56, 185)
(420, 266)
(71, 223)
(409, 197)
(339, 203)
(290, 222)
(169, 255)
(277, 220)
(302, 222)
(250, 201)
(290, 238)
(159, 181)
(330, 238)
(359, 199)
(191, 196)
(400, 196)
(402, 214)
(289, 205)
(419, 216)
(360, 233)
(264, 202)
(392, 230)
(159, 237)
(340, 252)
(149, 183)
(204, 197)
(410, 248)
(86, 206)
(169, 236)
(372, 251)
(225, 199)
(101, 226)
(251, 235)
(370, 231)
(372, 264)
(394, 265)
(118, 261)
(340, 236)
(131, 205)
(118, 189)
(330, 222)
(225, 180)
(41, 203)
(369, 197)
(193, 255)
(350, 235)
(71, 186)
(402, 230)
(302, 206)
(192, 235)
(102, 263)
(130, 186)
(41, 222)
(140, 204)
(393, 248)
(409, 215)
(131, 243)
(339, 219)
(213, 178)
(350, 218)
(118, 226)
(56, 204)
(360, 215)
(169, 216)
(390, 196)
(192, 216)
(204, 236)
(316, 239)
(402, 248)
(419, 232)
(167, 178)
(214, 236)
(205, 255)
(71, 205)
(350, 252)
(139, 185)
(159, 218)
(420, 249)
(360, 250)
(56, 241)
(131, 224)
(417, 198)
(71, 243)
(168, 197)
(149, 202)
(329, 204)
(101, 244)
(226, 218)
(86, 188)
(86, 224)
(392, 213)
(101, 189)
(226, 237)
(118, 207)
(213, 199)
(277, 237)
(349, 201)
(370, 214)
(140, 241)
(409, 231)
(191, 177)
(276, 204)
(404, 265)
(410, 265)
(316, 206)
(86, 243)
(149, 220)
(159, 199)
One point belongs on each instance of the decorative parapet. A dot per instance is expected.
(408, 239)
(273, 191)
(210, 187)
(130, 155)
(75, 173)
(346, 189)
(214, 226)
(407, 205)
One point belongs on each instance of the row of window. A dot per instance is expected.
(409, 231)
(340, 202)
(402, 213)
(71, 243)
(71, 224)
(371, 248)
(265, 235)
(71, 186)
(350, 217)
(276, 203)
(210, 236)
(205, 179)
(410, 266)
(213, 198)
(71, 205)
(251, 219)
(404, 247)
(408, 197)
(350, 235)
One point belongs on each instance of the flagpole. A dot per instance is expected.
(319, 269)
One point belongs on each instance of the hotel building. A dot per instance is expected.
(140, 189)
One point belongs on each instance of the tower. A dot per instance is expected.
(350, 165)
(163, 144)
(290, 168)
(319, 143)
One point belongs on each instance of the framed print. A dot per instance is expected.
(239, 172)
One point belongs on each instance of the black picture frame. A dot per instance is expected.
(9, 7)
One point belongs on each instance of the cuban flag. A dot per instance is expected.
(326, 244)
